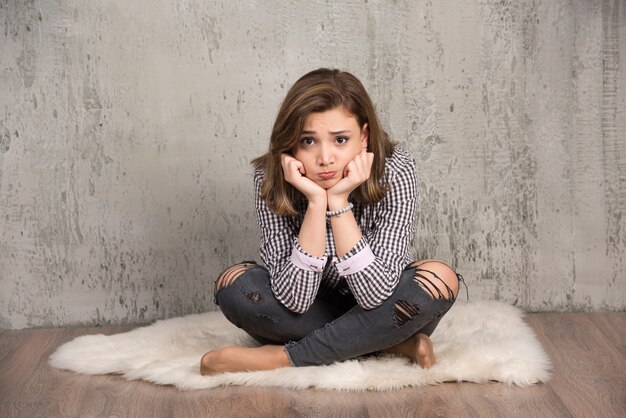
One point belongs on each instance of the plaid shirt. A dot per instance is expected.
(370, 270)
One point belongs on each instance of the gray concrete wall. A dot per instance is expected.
(126, 129)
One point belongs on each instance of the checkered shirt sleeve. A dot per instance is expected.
(390, 238)
(294, 275)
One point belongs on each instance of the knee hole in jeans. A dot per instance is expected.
(231, 274)
(437, 278)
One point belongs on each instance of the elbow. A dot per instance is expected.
(294, 305)
(369, 304)
(297, 309)
(372, 297)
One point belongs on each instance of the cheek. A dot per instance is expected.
(349, 156)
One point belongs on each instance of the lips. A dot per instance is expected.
(328, 175)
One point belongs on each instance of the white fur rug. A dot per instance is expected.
(476, 341)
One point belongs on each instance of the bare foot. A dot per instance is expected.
(424, 353)
(243, 359)
(418, 348)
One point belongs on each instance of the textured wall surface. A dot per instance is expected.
(126, 130)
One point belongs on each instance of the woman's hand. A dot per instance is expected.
(295, 175)
(356, 172)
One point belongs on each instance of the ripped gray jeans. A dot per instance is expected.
(334, 328)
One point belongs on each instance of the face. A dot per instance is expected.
(329, 141)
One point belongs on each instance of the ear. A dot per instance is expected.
(365, 134)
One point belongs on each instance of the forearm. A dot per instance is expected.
(312, 236)
(346, 232)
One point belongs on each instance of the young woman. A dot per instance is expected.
(335, 202)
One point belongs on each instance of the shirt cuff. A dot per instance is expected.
(305, 261)
(357, 259)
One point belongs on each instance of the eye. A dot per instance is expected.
(342, 139)
(307, 140)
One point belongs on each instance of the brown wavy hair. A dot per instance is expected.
(319, 91)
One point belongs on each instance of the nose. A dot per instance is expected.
(325, 156)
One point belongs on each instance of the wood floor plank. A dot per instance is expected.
(588, 372)
(588, 380)
(489, 400)
(613, 326)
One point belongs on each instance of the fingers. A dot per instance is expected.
(295, 174)
(360, 167)
(292, 168)
(356, 172)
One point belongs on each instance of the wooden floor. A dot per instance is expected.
(588, 351)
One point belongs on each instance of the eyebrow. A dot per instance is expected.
(333, 133)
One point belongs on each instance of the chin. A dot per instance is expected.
(327, 184)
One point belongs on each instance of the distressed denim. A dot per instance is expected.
(334, 328)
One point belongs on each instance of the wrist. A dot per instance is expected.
(331, 213)
(317, 198)
(318, 205)
(337, 202)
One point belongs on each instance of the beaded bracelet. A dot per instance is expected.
(331, 213)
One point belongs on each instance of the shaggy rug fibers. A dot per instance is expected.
(476, 341)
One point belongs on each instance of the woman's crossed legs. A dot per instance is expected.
(327, 333)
